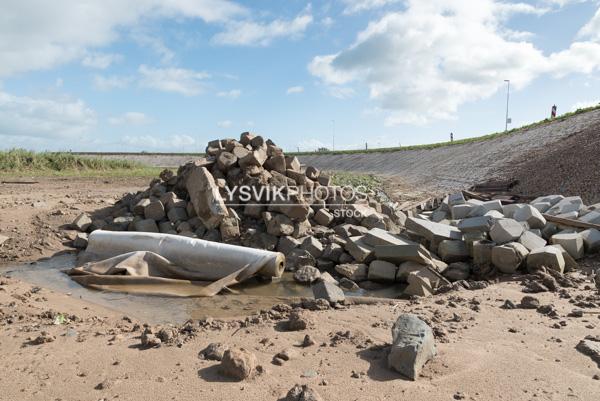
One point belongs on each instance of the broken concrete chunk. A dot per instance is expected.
(177, 214)
(592, 217)
(146, 225)
(155, 211)
(329, 291)
(531, 216)
(353, 271)
(573, 243)
(312, 246)
(566, 206)
(292, 163)
(82, 222)
(377, 236)
(413, 345)
(306, 274)
(548, 256)
(323, 217)
(506, 230)
(238, 364)
(206, 198)
(380, 270)
(457, 271)
(80, 241)
(482, 253)
(359, 249)
(509, 257)
(287, 243)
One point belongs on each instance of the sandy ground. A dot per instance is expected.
(485, 352)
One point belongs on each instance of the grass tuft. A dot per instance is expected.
(25, 162)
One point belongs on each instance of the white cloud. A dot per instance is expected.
(424, 62)
(356, 6)
(40, 34)
(100, 60)
(130, 118)
(251, 33)
(295, 89)
(591, 30)
(155, 43)
(232, 94)
(160, 143)
(178, 80)
(225, 124)
(585, 104)
(44, 118)
(102, 83)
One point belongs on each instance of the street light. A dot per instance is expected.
(333, 137)
(507, 97)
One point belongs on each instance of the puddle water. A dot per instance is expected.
(251, 296)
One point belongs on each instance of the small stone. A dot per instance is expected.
(238, 364)
(213, 352)
(529, 302)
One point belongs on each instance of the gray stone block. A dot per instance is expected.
(413, 345)
(531, 241)
(531, 216)
(591, 240)
(509, 257)
(453, 251)
(380, 270)
(549, 257)
(476, 224)
(329, 291)
(573, 243)
(506, 230)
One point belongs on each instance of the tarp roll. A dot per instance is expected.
(157, 263)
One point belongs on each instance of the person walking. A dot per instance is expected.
(553, 112)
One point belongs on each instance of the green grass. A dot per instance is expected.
(369, 181)
(24, 162)
(514, 131)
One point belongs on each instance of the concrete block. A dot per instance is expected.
(592, 217)
(570, 263)
(397, 254)
(476, 224)
(482, 253)
(485, 207)
(573, 243)
(380, 270)
(551, 199)
(413, 344)
(323, 217)
(205, 196)
(567, 205)
(418, 285)
(531, 216)
(155, 211)
(542, 207)
(332, 252)
(591, 240)
(506, 230)
(139, 207)
(146, 225)
(359, 249)
(494, 214)
(548, 256)
(434, 232)
(531, 241)
(356, 272)
(312, 246)
(457, 271)
(377, 236)
(453, 251)
(329, 291)
(82, 222)
(177, 214)
(509, 257)
(460, 211)
(509, 210)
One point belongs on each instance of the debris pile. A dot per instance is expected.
(249, 193)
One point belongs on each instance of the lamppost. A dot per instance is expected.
(333, 136)
(507, 97)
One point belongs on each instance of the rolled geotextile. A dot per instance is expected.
(209, 260)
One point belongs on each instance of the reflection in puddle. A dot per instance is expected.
(250, 296)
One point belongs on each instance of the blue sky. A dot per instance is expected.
(171, 75)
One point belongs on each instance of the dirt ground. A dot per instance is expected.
(55, 346)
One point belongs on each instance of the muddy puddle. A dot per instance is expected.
(248, 297)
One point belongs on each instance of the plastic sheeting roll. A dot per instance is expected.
(209, 261)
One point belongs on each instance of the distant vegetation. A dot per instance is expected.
(368, 181)
(20, 161)
(513, 131)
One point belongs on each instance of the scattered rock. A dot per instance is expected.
(413, 345)
(238, 364)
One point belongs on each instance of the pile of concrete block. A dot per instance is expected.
(352, 242)
(490, 237)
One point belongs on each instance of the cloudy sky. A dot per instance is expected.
(169, 75)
